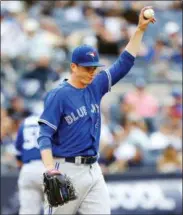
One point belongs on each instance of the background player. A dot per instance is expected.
(70, 123)
(29, 159)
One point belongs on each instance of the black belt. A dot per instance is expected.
(82, 160)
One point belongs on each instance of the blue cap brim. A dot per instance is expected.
(91, 64)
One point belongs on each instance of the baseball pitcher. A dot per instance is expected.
(70, 130)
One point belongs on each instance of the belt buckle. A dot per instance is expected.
(78, 160)
(85, 160)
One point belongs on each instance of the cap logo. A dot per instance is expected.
(92, 54)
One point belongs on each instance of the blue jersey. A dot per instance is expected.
(26, 141)
(74, 114)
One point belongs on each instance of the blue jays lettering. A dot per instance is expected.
(80, 113)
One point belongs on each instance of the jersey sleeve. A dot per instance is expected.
(53, 109)
(107, 78)
(19, 142)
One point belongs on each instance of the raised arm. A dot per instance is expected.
(125, 61)
(135, 42)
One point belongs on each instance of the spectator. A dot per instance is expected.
(137, 131)
(172, 30)
(42, 73)
(160, 139)
(12, 36)
(106, 39)
(125, 36)
(109, 141)
(144, 103)
(73, 8)
(107, 158)
(160, 5)
(106, 135)
(176, 56)
(176, 108)
(6, 126)
(17, 109)
(159, 51)
(118, 111)
(133, 144)
(35, 37)
(8, 132)
(169, 161)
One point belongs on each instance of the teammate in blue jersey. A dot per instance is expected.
(30, 178)
(70, 123)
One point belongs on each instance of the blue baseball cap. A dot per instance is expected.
(86, 55)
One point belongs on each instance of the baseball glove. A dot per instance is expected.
(58, 188)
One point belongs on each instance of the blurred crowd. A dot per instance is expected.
(37, 38)
(139, 132)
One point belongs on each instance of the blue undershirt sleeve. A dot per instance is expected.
(45, 136)
(121, 67)
(109, 77)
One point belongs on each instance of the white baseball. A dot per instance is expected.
(148, 13)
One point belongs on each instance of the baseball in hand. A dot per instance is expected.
(149, 13)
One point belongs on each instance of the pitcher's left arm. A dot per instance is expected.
(126, 60)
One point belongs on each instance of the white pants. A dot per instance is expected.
(93, 196)
(30, 184)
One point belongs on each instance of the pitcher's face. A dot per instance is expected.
(84, 75)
